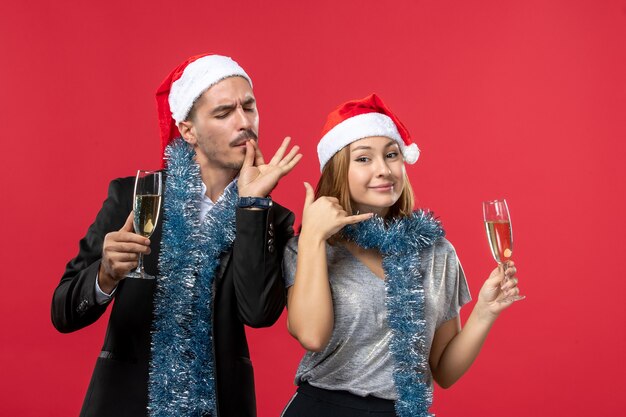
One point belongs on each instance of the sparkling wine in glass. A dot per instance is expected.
(500, 235)
(147, 206)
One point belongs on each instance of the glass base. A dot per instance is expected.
(139, 275)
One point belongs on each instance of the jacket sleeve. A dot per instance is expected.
(257, 261)
(74, 303)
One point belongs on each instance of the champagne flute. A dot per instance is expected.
(146, 205)
(500, 235)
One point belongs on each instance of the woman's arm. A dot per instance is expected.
(454, 350)
(309, 301)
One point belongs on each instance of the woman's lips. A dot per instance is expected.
(382, 188)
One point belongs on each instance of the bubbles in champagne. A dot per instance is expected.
(147, 209)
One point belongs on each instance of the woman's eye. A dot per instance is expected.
(392, 155)
(362, 159)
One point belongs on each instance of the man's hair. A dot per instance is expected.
(191, 116)
(334, 183)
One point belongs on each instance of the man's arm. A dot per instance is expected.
(261, 237)
(257, 262)
(74, 304)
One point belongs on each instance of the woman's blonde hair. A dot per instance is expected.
(334, 183)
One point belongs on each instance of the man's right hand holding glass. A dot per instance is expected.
(120, 254)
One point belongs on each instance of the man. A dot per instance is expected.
(176, 346)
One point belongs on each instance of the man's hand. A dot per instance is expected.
(120, 254)
(258, 179)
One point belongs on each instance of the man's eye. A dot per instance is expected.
(248, 109)
(221, 116)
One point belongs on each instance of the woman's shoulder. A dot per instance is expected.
(292, 245)
(442, 247)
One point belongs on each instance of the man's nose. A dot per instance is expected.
(242, 118)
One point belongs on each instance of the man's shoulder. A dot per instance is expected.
(125, 183)
(121, 185)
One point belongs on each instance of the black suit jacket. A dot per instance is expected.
(249, 290)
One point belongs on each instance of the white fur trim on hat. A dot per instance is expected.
(359, 127)
(197, 78)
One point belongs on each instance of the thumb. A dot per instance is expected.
(496, 276)
(310, 195)
(128, 226)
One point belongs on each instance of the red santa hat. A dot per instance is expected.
(358, 119)
(180, 89)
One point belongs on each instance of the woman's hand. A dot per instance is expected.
(499, 291)
(324, 217)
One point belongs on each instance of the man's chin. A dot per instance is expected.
(234, 165)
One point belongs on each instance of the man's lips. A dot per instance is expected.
(242, 138)
(239, 143)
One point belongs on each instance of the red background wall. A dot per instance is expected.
(523, 100)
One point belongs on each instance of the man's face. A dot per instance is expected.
(224, 118)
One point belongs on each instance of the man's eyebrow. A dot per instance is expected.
(230, 107)
(249, 101)
(223, 108)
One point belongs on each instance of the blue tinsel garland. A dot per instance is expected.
(400, 242)
(182, 370)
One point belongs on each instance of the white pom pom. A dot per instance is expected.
(411, 153)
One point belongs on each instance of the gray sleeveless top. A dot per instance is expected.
(357, 358)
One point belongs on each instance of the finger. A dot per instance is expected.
(128, 225)
(122, 257)
(129, 247)
(496, 277)
(258, 156)
(281, 151)
(287, 158)
(357, 218)
(509, 283)
(287, 168)
(122, 237)
(513, 292)
(310, 195)
(248, 160)
(510, 272)
(123, 268)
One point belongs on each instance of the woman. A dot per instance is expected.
(374, 289)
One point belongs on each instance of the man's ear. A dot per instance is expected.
(187, 131)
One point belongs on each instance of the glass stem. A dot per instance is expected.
(139, 269)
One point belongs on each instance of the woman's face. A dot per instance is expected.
(375, 174)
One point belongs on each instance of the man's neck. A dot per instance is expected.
(216, 180)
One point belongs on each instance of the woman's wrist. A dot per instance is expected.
(311, 238)
(484, 313)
